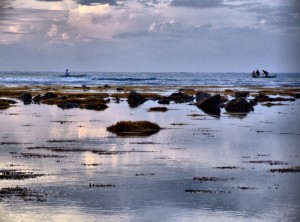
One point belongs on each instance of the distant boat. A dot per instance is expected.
(81, 75)
(268, 76)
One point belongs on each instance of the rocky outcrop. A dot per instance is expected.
(239, 105)
(210, 105)
(181, 97)
(26, 97)
(200, 96)
(140, 128)
(265, 98)
(49, 95)
(135, 99)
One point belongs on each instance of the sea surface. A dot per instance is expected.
(144, 78)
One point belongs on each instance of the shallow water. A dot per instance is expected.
(148, 182)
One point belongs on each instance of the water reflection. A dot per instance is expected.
(150, 174)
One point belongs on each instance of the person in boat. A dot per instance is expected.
(67, 73)
(253, 74)
(265, 73)
(257, 73)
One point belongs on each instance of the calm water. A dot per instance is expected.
(186, 79)
(149, 186)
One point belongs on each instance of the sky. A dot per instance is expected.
(150, 35)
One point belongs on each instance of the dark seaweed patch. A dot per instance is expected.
(287, 170)
(17, 175)
(271, 162)
(204, 191)
(101, 185)
(24, 194)
(211, 179)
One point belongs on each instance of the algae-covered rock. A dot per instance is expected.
(4, 104)
(135, 99)
(239, 105)
(26, 97)
(158, 109)
(142, 128)
(211, 105)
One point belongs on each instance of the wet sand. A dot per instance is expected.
(63, 165)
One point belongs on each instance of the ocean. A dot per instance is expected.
(148, 78)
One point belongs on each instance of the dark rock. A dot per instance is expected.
(265, 98)
(37, 99)
(49, 95)
(4, 104)
(239, 105)
(129, 128)
(26, 97)
(68, 105)
(120, 89)
(211, 105)
(241, 94)
(158, 109)
(135, 99)
(164, 101)
(201, 96)
(181, 97)
(98, 107)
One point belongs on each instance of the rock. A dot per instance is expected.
(49, 95)
(239, 105)
(211, 105)
(200, 96)
(98, 107)
(37, 99)
(181, 97)
(140, 128)
(26, 97)
(4, 104)
(158, 109)
(241, 94)
(164, 101)
(120, 89)
(261, 98)
(135, 99)
(68, 105)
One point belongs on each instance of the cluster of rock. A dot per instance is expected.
(65, 102)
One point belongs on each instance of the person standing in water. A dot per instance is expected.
(67, 73)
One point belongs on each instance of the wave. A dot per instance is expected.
(127, 79)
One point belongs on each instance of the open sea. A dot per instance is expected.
(145, 78)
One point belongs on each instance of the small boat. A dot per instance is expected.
(268, 76)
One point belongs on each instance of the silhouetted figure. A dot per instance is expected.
(67, 73)
(265, 73)
(253, 74)
(257, 73)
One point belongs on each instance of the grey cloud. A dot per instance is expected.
(90, 2)
(197, 3)
(5, 4)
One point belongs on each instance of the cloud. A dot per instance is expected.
(197, 3)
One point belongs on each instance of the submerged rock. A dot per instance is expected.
(210, 105)
(239, 105)
(143, 128)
